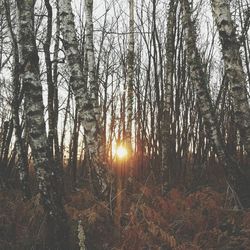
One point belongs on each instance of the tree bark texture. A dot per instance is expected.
(234, 174)
(86, 104)
(233, 67)
(34, 110)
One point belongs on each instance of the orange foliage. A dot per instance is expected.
(148, 220)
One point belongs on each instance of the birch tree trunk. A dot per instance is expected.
(55, 83)
(50, 82)
(130, 75)
(92, 81)
(34, 109)
(166, 140)
(234, 174)
(86, 104)
(17, 98)
(233, 67)
(92, 78)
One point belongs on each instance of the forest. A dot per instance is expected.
(124, 125)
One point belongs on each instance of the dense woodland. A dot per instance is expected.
(124, 124)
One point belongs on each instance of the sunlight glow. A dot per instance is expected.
(121, 152)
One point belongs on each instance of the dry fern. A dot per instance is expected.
(92, 217)
(158, 232)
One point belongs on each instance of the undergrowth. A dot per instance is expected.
(147, 220)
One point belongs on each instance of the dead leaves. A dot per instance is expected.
(158, 232)
(148, 220)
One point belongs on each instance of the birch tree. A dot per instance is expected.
(235, 176)
(50, 82)
(55, 91)
(233, 67)
(92, 77)
(166, 141)
(17, 90)
(34, 110)
(86, 102)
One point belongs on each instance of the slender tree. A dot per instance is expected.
(233, 67)
(34, 110)
(50, 82)
(235, 176)
(84, 99)
(55, 91)
(130, 73)
(169, 72)
(17, 99)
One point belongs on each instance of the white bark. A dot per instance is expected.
(33, 92)
(90, 52)
(92, 79)
(234, 175)
(86, 103)
(233, 67)
(34, 110)
(166, 140)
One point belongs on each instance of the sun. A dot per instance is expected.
(121, 152)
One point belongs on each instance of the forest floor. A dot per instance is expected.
(143, 219)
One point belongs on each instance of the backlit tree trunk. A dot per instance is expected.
(55, 92)
(34, 110)
(233, 67)
(166, 140)
(93, 85)
(50, 82)
(234, 174)
(92, 78)
(86, 108)
(17, 98)
(130, 73)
